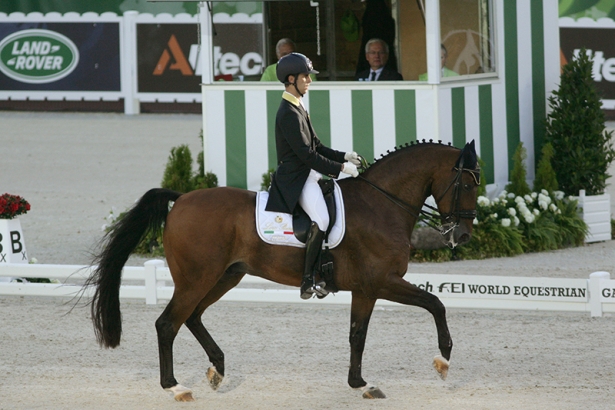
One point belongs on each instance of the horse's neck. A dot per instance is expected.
(409, 183)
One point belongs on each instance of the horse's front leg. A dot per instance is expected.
(398, 290)
(360, 314)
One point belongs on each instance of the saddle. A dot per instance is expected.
(292, 229)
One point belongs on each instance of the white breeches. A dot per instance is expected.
(312, 201)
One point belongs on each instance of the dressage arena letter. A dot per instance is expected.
(16, 241)
(12, 244)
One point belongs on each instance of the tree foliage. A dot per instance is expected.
(518, 183)
(582, 147)
(545, 175)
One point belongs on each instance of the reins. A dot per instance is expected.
(428, 217)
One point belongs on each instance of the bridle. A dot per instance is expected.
(441, 222)
(452, 218)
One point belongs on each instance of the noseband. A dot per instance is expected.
(441, 222)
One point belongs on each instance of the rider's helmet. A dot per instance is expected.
(293, 64)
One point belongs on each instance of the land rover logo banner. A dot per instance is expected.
(60, 56)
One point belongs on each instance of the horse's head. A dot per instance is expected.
(410, 174)
(455, 192)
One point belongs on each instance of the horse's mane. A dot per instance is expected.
(403, 149)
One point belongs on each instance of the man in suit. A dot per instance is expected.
(302, 159)
(377, 54)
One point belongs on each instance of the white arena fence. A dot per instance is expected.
(153, 283)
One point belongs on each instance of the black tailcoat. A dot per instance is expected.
(298, 150)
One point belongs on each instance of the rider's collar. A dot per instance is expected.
(291, 99)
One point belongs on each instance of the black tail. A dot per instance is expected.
(116, 246)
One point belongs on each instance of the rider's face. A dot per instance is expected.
(303, 83)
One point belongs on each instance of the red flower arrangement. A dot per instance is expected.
(12, 205)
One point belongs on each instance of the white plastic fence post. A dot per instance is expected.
(128, 63)
(151, 288)
(595, 303)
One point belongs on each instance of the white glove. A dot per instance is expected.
(352, 157)
(350, 169)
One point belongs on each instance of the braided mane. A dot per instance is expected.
(403, 148)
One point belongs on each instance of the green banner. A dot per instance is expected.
(594, 9)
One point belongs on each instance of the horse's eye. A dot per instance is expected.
(467, 187)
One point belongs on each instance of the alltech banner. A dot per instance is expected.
(168, 61)
(600, 42)
(60, 56)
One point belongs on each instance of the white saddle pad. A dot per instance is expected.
(276, 228)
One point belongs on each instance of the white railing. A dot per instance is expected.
(153, 283)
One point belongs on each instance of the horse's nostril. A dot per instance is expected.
(464, 238)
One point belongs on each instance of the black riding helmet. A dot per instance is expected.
(293, 64)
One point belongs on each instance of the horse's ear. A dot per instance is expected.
(468, 153)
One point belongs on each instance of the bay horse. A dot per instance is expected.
(210, 242)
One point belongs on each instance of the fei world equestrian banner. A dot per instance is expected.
(60, 56)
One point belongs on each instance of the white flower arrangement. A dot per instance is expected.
(525, 209)
(483, 201)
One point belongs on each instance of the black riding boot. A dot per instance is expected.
(313, 246)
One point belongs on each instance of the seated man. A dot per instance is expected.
(284, 47)
(377, 55)
(445, 71)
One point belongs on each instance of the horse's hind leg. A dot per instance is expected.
(400, 291)
(215, 374)
(177, 311)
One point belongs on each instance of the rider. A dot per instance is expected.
(302, 159)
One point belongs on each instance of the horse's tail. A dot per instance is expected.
(116, 246)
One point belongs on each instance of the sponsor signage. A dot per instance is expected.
(37, 56)
(502, 287)
(599, 43)
(168, 55)
(166, 58)
(60, 56)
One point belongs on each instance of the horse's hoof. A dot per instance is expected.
(441, 366)
(181, 393)
(372, 392)
(215, 378)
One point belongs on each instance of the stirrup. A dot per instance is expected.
(317, 289)
(322, 291)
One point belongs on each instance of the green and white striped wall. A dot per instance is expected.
(497, 111)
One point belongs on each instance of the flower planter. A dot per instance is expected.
(12, 245)
(596, 211)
